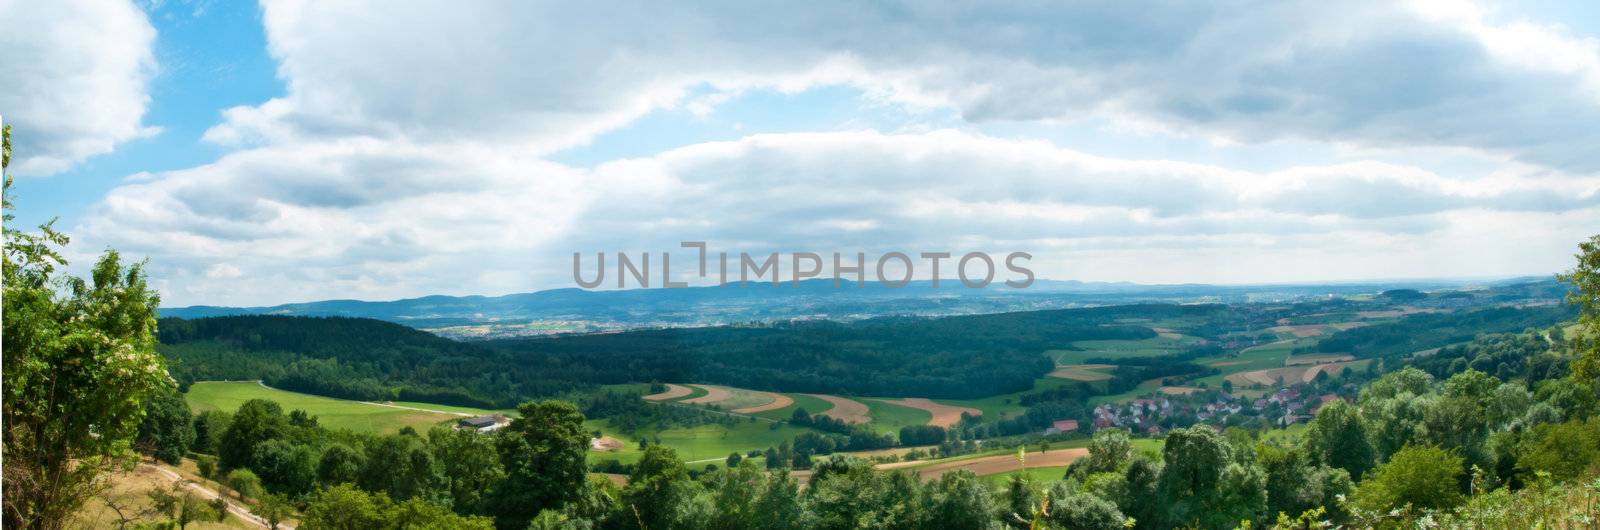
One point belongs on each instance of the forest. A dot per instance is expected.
(947, 357)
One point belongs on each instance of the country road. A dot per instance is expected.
(233, 507)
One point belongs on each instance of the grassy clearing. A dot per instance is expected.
(801, 401)
(1005, 405)
(331, 413)
(890, 418)
(703, 442)
(1151, 347)
(1040, 474)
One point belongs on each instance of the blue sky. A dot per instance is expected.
(261, 154)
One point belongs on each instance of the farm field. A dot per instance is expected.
(1160, 345)
(941, 415)
(333, 413)
(812, 405)
(890, 418)
(1039, 474)
(1083, 372)
(699, 443)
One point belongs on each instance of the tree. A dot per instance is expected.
(340, 465)
(958, 500)
(401, 466)
(1565, 450)
(181, 506)
(209, 427)
(1337, 437)
(543, 453)
(168, 428)
(285, 467)
(1108, 451)
(343, 507)
(659, 493)
(273, 508)
(79, 366)
(733, 459)
(1585, 277)
(1074, 510)
(257, 420)
(1421, 476)
(244, 482)
(207, 465)
(470, 465)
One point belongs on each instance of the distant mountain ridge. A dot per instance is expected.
(577, 310)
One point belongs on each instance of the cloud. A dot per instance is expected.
(546, 77)
(77, 76)
(373, 219)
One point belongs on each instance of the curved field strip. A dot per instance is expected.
(778, 401)
(673, 392)
(845, 410)
(1318, 358)
(943, 415)
(989, 465)
(1081, 372)
(713, 395)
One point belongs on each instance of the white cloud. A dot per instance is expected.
(408, 154)
(76, 79)
(368, 219)
(551, 76)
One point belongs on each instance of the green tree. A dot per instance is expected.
(544, 454)
(958, 499)
(1565, 450)
(182, 507)
(659, 494)
(257, 420)
(1585, 277)
(1081, 511)
(273, 509)
(401, 466)
(207, 465)
(1108, 451)
(244, 482)
(285, 467)
(779, 506)
(168, 428)
(209, 426)
(344, 507)
(79, 366)
(340, 465)
(469, 463)
(1421, 476)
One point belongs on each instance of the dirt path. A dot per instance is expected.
(990, 465)
(713, 395)
(845, 410)
(673, 392)
(778, 401)
(233, 507)
(943, 415)
(462, 414)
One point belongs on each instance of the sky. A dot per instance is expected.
(287, 151)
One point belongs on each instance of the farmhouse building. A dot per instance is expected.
(489, 423)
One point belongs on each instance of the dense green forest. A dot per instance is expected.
(949, 357)
(352, 358)
(1424, 331)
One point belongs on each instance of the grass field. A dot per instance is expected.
(1005, 405)
(890, 418)
(801, 401)
(1040, 474)
(1160, 345)
(699, 443)
(332, 413)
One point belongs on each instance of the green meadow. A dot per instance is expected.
(330, 412)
